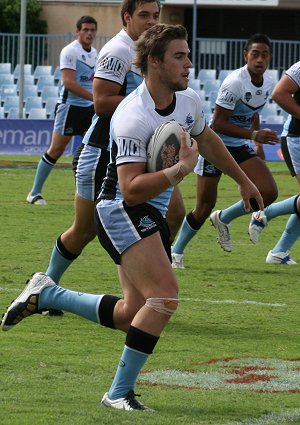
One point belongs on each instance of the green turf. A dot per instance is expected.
(55, 370)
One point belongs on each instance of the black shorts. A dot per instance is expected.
(240, 154)
(72, 120)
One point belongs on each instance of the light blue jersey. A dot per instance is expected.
(75, 57)
(246, 100)
(292, 125)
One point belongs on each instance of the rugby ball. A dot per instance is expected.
(163, 147)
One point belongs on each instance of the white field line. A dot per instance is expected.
(201, 300)
(271, 419)
(9, 289)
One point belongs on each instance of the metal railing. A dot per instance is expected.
(214, 53)
(41, 49)
(211, 53)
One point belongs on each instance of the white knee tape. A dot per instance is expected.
(166, 306)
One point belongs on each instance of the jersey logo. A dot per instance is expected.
(83, 58)
(189, 119)
(248, 96)
(146, 223)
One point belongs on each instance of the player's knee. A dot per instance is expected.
(166, 306)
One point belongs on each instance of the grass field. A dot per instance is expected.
(230, 355)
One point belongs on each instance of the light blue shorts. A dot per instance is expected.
(90, 171)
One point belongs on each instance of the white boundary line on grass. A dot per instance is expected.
(271, 419)
(201, 300)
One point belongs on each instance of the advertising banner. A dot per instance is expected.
(220, 3)
(29, 137)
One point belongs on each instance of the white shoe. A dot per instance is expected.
(257, 224)
(177, 261)
(223, 231)
(280, 258)
(125, 403)
(36, 199)
(26, 303)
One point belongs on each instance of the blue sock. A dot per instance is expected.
(185, 235)
(42, 172)
(287, 206)
(59, 262)
(232, 212)
(130, 365)
(58, 298)
(289, 236)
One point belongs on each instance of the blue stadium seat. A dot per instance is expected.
(37, 114)
(275, 119)
(33, 102)
(42, 70)
(10, 102)
(223, 74)
(49, 91)
(30, 91)
(57, 74)
(7, 90)
(45, 80)
(274, 73)
(13, 113)
(28, 80)
(194, 83)
(212, 96)
(268, 110)
(2, 115)
(27, 70)
(50, 106)
(210, 85)
(5, 68)
(6, 79)
(207, 74)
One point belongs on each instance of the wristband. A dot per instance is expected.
(254, 135)
(175, 173)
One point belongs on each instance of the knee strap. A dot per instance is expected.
(166, 306)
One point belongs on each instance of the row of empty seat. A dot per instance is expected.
(40, 91)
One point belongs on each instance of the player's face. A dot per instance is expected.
(145, 16)
(86, 35)
(175, 68)
(258, 58)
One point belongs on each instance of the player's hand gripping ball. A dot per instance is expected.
(163, 147)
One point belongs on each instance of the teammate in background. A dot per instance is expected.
(241, 97)
(287, 94)
(74, 110)
(115, 77)
(132, 208)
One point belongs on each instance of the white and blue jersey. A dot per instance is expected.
(292, 125)
(114, 63)
(238, 94)
(75, 57)
(132, 126)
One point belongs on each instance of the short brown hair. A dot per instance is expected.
(154, 42)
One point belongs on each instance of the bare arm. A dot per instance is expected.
(213, 149)
(69, 80)
(283, 95)
(221, 124)
(106, 96)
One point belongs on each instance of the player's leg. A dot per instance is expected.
(208, 178)
(90, 168)
(260, 175)
(260, 219)
(45, 166)
(175, 213)
(206, 195)
(152, 277)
